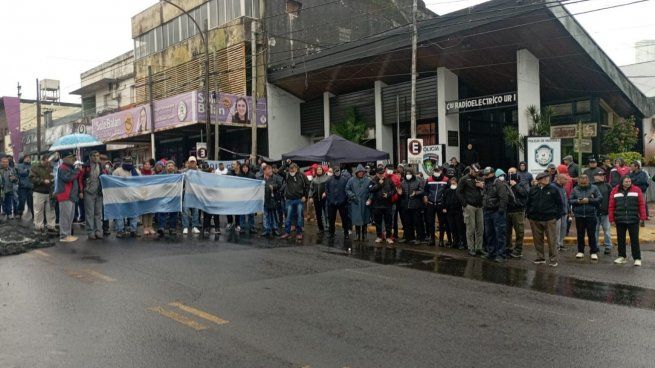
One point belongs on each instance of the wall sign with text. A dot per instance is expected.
(489, 102)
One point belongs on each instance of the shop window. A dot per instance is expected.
(159, 39)
(184, 27)
(213, 14)
(582, 107)
(562, 109)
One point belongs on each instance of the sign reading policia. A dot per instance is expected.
(543, 151)
(432, 158)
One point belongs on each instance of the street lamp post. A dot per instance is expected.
(205, 42)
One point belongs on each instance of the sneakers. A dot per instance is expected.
(378, 240)
(539, 261)
(553, 263)
(580, 255)
(195, 230)
(185, 231)
(68, 239)
(637, 262)
(516, 255)
(620, 260)
(389, 241)
(594, 257)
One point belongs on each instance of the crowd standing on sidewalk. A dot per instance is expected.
(458, 205)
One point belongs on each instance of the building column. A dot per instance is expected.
(284, 125)
(528, 89)
(447, 90)
(383, 133)
(326, 114)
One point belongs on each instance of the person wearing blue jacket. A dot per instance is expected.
(585, 200)
(337, 201)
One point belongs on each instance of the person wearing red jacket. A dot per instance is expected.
(619, 170)
(627, 208)
(395, 180)
(568, 187)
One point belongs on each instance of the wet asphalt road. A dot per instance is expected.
(248, 302)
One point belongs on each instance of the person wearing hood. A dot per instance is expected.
(317, 196)
(295, 191)
(525, 177)
(585, 200)
(126, 170)
(434, 188)
(571, 167)
(337, 201)
(639, 178)
(24, 186)
(469, 191)
(627, 208)
(92, 195)
(357, 190)
(456, 166)
(412, 193)
(42, 180)
(568, 186)
(495, 202)
(160, 166)
(8, 178)
(67, 194)
(516, 213)
(602, 218)
(619, 170)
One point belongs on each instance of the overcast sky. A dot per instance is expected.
(61, 39)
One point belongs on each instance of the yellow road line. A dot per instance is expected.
(179, 318)
(99, 275)
(199, 313)
(80, 276)
(41, 253)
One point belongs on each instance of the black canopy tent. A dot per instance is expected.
(337, 150)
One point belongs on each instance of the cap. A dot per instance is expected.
(542, 175)
(380, 170)
(591, 160)
(192, 158)
(551, 166)
(568, 158)
(487, 170)
(599, 172)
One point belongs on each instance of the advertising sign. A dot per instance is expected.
(432, 158)
(234, 109)
(589, 130)
(177, 111)
(122, 124)
(414, 150)
(543, 151)
(481, 103)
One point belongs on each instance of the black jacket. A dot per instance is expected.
(496, 196)
(415, 185)
(433, 189)
(521, 194)
(468, 193)
(379, 190)
(296, 187)
(451, 201)
(544, 204)
(273, 186)
(588, 209)
(605, 190)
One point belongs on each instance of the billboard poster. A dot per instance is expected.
(431, 159)
(177, 111)
(122, 124)
(234, 109)
(543, 151)
(12, 111)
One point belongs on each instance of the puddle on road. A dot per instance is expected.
(504, 274)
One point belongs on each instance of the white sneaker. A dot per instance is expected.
(389, 241)
(185, 231)
(195, 230)
(637, 262)
(594, 257)
(68, 239)
(378, 240)
(579, 255)
(620, 260)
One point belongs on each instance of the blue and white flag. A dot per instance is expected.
(138, 195)
(222, 194)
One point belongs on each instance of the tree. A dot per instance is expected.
(353, 129)
(540, 121)
(513, 138)
(622, 136)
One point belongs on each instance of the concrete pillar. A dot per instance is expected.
(326, 114)
(447, 90)
(283, 122)
(528, 91)
(383, 133)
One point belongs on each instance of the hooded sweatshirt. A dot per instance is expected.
(568, 187)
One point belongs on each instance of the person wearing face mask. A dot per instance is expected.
(295, 189)
(337, 201)
(382, 191)
(67, 195)
(452, 208)
(395, 180)
(357, 191)
(434, 188)
(126, 170)
(495, 202)
(412, 193)
(516, 213)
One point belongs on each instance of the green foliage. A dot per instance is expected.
(513, 137)
(628, 157)
(540, 121)
(622, 136)
(353, 129)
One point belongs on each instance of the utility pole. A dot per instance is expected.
(216, 101)
(19, 87)
(580, 138)
(253, 66)
(412, 120)
(38, 117)
(152, 113)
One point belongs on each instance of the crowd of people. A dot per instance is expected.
(480, 210)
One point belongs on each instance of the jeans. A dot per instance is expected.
(25, 197)
(633, 230)
(294, 211)
(495, 229)
(588, 225)
(8, 204)
(474, 227)
(167, 221)
(248, 222)
(379, 215)
(190, 217)
(604, 222)
(270, 221)
(120, 224)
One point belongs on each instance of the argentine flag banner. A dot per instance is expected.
(138, 195)
(223, 194)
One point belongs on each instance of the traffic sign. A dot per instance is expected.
(201, 150)
(414, 150)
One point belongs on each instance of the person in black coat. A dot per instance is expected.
(452, 207)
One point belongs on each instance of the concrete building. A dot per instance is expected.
(479, 71)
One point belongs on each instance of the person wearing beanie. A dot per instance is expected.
(640, 179)
(572, 167)
(357, 190)
(495, 202)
